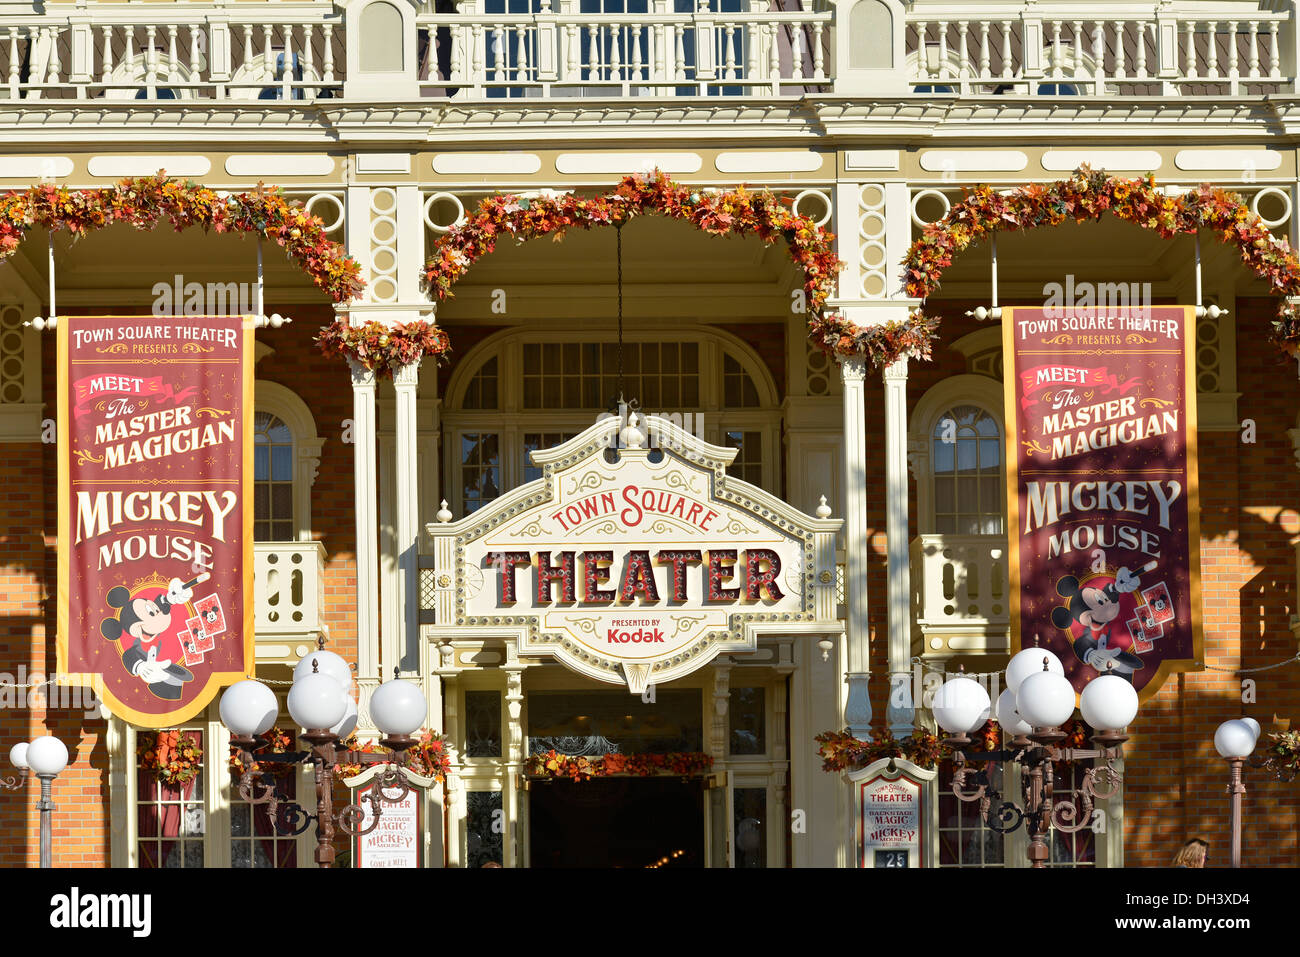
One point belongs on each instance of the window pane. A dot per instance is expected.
(748, 724)
(483, 724)
(750, 826)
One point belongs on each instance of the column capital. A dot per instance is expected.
(896, 371)
(853, 369)
(362, 378)
(407, 376)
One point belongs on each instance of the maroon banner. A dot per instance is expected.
(1103, 510)
(155, 604)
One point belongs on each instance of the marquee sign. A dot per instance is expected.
(633, 564)
(893, 813)
(155, 578)
(1102, 489)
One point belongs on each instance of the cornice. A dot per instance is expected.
(823, 121)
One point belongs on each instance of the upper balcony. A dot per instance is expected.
(480, 50)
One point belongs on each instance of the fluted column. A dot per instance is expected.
(857, 708)
(900, 713)
(365, 488)
(403, 648)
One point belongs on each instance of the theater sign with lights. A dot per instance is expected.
(634, 559)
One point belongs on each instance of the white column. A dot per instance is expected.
(857, 709)
(365, 486)
(899, 714)
(403, 648)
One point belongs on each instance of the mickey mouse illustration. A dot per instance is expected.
(145, 620)
(1096, 610)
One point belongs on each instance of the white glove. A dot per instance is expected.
(1126, 581)
(1100, 658)
(177, 593)
(153, 670)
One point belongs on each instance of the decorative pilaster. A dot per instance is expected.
(404, 647)
(857, 709)
(514, 751)
(900, 713)
(721, 702)
(365, 485)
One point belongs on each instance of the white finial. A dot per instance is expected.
(632, 437)
(823, 510)
(444, 514)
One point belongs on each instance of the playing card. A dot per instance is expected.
(211, 616)
(1144, 632)
(202, 640)
(1158, 601)
(192, 654)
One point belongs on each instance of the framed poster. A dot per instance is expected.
(398, 839)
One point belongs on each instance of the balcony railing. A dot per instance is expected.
(289, 589)
(299, 50)
(960, 595)
(1070, 49)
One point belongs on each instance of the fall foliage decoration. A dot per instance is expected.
(279, 741)
(552, 764)
(173, 757)
(383, 348)
(145, 202)
(738, 212)
(428, 758)
(1086, 196)
(1282, 756)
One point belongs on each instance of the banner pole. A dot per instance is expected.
(994, 238)
(1199, 307)
(261, 306)
(53, 311)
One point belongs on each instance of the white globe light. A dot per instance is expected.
(18, 755)
(327, 663)
(248, 708)
(1045, 700)
(1029, 662)
(1234, 739)
(1254, 726)
(1009, 717)
(47, 755)
(316, 702)
(398, 707)
(1109, 703)
(349, 722)
(960, 705)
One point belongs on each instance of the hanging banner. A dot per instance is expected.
(155, 601)
(1103, 507)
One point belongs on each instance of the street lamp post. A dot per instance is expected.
(1038, 699)
(320, 704)
(45, 757)
(1235, 740)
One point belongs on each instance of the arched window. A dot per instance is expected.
(272, 479)
(286, 455)
(956, 451)
(966, 458)
(521, 391)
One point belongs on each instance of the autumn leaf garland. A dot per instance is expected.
(1085, 197)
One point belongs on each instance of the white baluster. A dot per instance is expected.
(1121, 28)
(729, 64)
(984, 50)
(1253, 50)
(638, 52)
(327, 44)
(521, 64)
(130, 49)
(1274, 61)
(572, 66)
(479, 52)
(248, 47)
(498, 53)
(196, 74)
(309, 53)
(1098, 51)
(616, 53)
(1189, 51)
(679, 52)
(943, 49)
(1054, 68)
(13, 63)
(1233, 72)
(1007, 70)
(773, 58)
(173, 64)
(1077, 43)
(1212, 56)
(819, 55)
(749, 39)
(106, 64)
(963, 29)
(796, 55)
(1141, 66)
(150, 58)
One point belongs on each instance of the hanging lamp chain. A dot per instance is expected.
(618, 229)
